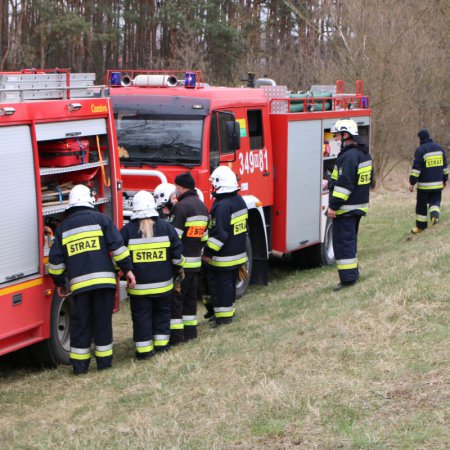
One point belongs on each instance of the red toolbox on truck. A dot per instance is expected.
(63, 153)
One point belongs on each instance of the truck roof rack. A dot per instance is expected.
(47, 84)
(319, 98)
(154, 78)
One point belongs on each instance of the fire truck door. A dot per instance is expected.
(19, 255)
(304, 174)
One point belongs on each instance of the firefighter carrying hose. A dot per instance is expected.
(350, 184)
(430, 173)
(81, 249)
(225, 250)
(156, 254)
(190, 219)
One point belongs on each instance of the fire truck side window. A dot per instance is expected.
(255, 129)
(218, 137)
(223, 119)
(214, 143)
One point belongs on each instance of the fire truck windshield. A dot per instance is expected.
(156, 139)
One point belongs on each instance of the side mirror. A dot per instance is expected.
(233, 133)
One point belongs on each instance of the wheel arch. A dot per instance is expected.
(259, 238)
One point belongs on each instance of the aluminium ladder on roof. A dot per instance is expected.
(19, 87)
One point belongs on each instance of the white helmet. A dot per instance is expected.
(143, 206)
(347, 125)
(80, 195)
(162, 194)
(224, 180)
(200, 194)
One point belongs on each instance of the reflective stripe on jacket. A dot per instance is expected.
(153, 258)
(85, 245)
(190, 219)
(226, 244)
(351, 180)
(429, 169)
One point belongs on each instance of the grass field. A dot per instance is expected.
(302, 367)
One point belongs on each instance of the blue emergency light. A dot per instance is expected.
(190, 80)
(115, 79)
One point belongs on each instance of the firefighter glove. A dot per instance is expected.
(178, 272)
(179, 277)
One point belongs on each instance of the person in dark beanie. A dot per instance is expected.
(190, 219)
(430, 172)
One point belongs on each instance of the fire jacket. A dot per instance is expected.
(153, 258)
(350, 181)
(190, 219)
(429, 169)
(82, 246)
(227, 235)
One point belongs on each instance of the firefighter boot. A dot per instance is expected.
(434, 220)
(207, 302)
(104, 363)
(224, 320)
(190, 332)
(417, 230)
(344, 284)
(144, 356)
(80, 367)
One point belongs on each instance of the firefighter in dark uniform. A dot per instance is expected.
(349, 198)
(190, 218)
(225, 250)
(165, 198)
(156, 254)
(82, 249)
(430, 173)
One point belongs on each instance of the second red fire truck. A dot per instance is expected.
(278, 143)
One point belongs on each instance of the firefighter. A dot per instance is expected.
(190, 218)
(350, 184)
(430, 172)
(165, 198)
(81, 249)
(156, 254)
(225, 250)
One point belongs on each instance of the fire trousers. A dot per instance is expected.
(91, 313)
(425, 199)
(183, 324)
(222, 286)
(151, 323)
(345, 237)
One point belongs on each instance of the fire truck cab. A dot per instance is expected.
(278, 144)
(56, 130)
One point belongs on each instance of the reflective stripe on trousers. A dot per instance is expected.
(345, 235)
(425, 199)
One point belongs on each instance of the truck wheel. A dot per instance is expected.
(55, 350)
(242, 286)
(323, 254)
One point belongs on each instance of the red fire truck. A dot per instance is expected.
(278, 144)
(56, 130)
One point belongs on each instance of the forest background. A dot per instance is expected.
(400, 49)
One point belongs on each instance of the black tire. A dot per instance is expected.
(323, 254)
(55, 350)
(242, 286)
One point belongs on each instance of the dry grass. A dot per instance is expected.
(302, 367)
